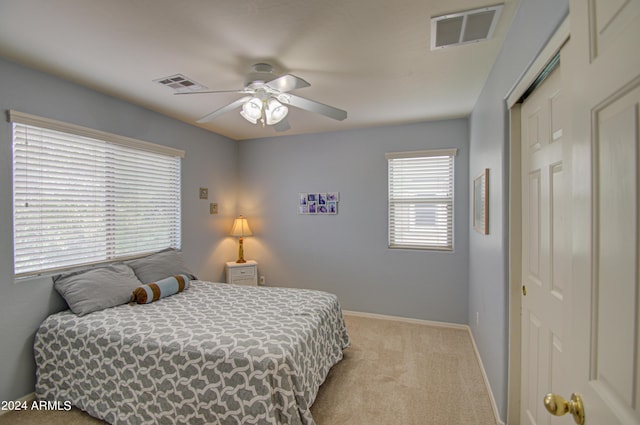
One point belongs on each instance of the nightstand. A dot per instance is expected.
(242, 273)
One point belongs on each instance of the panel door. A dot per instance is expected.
(545, 246)
(604, 61)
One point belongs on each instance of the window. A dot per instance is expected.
(421, 199)
(81, 196)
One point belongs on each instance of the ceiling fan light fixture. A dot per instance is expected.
(275, 112)
(252, 110)
(267, 99)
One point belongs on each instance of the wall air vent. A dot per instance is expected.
(465, 27)
(180, 83)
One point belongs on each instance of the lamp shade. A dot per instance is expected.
(252, 110)
(276, 111)
(240, 227)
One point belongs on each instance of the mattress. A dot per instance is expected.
(213, 354)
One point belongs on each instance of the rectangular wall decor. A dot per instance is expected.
(481, 202)
(318, 202)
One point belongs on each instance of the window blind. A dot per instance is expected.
(81, 200)
(421, 199)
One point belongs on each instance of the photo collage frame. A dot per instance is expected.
(314, 203)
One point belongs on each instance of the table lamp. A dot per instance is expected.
(240, 229)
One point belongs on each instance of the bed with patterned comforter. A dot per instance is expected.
(213, 354)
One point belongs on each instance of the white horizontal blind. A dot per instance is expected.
(421, 199)
(79, 200)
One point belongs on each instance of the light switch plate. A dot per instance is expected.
(204, 193)
(213, 208)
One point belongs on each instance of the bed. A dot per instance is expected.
(212, 354)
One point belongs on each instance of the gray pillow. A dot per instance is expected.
(97, 288)
(158, 266)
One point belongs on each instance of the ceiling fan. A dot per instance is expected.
(268, 97)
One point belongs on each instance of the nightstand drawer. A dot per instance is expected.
(243, 272)
(244, 281)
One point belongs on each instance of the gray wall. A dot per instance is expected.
(210, 161)
(533, 25)
(347, 253)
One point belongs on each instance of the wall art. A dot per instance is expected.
(481, 202)
(318, 202)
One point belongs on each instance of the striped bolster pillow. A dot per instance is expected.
(150, 292)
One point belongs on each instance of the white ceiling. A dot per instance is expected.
(369, 57)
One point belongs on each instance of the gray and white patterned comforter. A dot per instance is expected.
(214, 354)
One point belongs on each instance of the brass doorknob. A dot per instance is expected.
(558, 406)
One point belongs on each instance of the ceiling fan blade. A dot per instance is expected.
(224, 109)
(313, 106)
(213, 91)
(282, 125)
(287, 83)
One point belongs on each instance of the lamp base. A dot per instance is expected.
(240, 252)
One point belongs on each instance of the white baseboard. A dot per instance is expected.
(404, 319)
(29, 398)
(494, 406)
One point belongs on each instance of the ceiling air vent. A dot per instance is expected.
(465, 27)
(180, 83)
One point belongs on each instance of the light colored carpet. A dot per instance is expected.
(393, 373)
